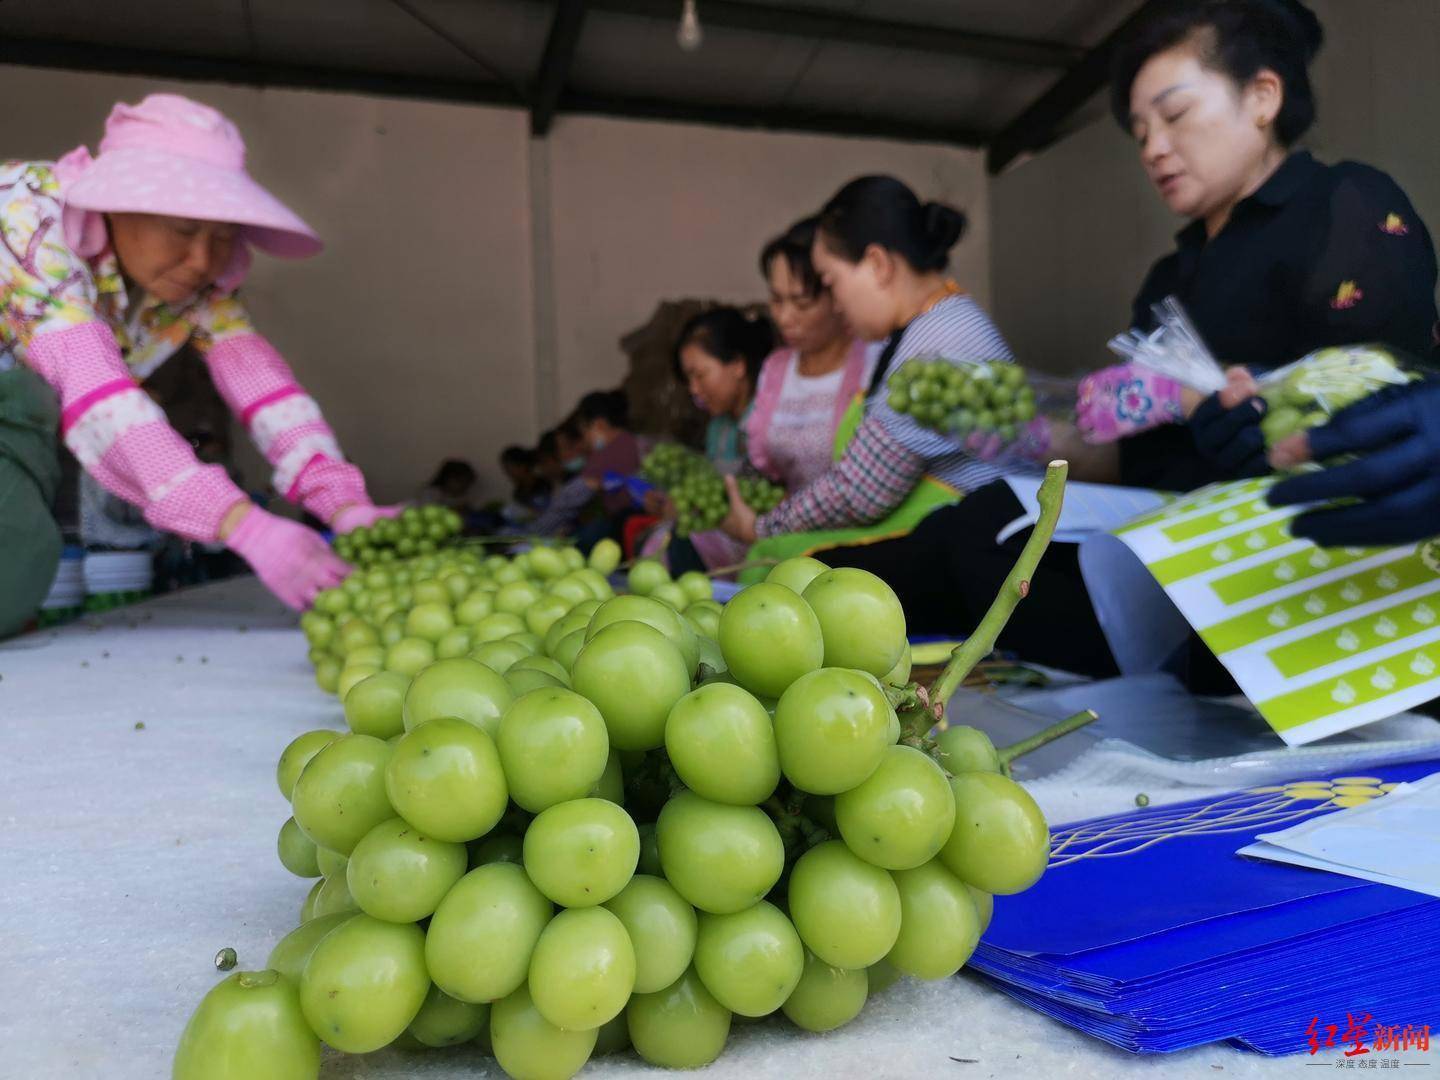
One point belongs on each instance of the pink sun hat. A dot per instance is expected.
(173, 156)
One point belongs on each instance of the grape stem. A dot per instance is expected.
(1016, 587)
(1048, 735)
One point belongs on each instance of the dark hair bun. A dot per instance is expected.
(1307, 23)
(945, 225)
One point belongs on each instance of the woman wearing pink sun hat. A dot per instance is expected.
(108, 267)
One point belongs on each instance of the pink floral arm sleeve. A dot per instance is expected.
(49, 322)
(282, 419)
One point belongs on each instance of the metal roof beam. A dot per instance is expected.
(555, 65)
(769, 119)
(1039, 125)
(80, 56)
(818, 25)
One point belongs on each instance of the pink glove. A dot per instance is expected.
(292, 561)
(1125, 399)
(358, 514)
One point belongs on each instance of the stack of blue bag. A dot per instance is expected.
(1150, 932)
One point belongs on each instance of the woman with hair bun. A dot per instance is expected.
(882, 255)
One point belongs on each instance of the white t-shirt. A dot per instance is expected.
(801, 439)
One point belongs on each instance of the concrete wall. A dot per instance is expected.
(1076, 227)
(475, 284)
(645, 211)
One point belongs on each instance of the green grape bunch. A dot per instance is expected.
(991, 397)
(697, 489)
(418, 530)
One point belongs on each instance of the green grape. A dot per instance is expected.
(860, 618)
(409, 655)
(522, 681)
(550, 609)
(290, 952)
(515, 597)
(797, 573)
(475, 606)
(327, 675)
(497, 626)
(445, 778)
(612, 1037)
(364, 982)
(581, 853)
(770, 637)
(826, 997)
(662, 928)
(497, 847)
(720, 858)
(846, 910)
(341, 794)
(1000, 842)
(652, 612)
(352, 674)
(696, 585)
(611, 785)
(457, 642)
(307, 909)
(649, 852)
(249, 1025)
(967, 749)
(400, 875)
(498, 656)
(480, 939)
(634, 675)
(750, 960)
(605, 556)
(567, 651)
(881, 976)
(553, 747)
(679, 1027)
(461, 688)
(645, 575)
(704, 617)
(330, 862)
(547, 562)
(333, 897)
(529, 1047)
(902, 814)
(831, 729)
(373, 707)
(582, 970)
(297, 851)
(722, 745)
(431, 620)
(939, 926)
(984, 906)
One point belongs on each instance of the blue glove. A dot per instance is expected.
(1231, 439)
(1396, 478)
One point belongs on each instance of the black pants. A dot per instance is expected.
(949, 569)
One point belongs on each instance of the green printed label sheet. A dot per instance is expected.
(1320, 639)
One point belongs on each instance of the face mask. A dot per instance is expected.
(575, 464)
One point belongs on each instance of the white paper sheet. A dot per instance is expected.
(1393, 839)
(1087, 509)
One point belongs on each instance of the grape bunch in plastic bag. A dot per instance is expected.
(960, 400)
(697, 489)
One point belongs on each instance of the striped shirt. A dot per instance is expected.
(891, 451)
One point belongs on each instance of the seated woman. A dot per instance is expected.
(717, 356)
(882, 254)
(807, 385)
(610, 447)
(1283, 255)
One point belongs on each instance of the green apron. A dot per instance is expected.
(928, 495)
(29, 477)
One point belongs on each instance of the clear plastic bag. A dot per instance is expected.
(1299, 395)
(993, 409)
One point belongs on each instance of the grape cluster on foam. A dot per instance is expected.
(561, 823)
